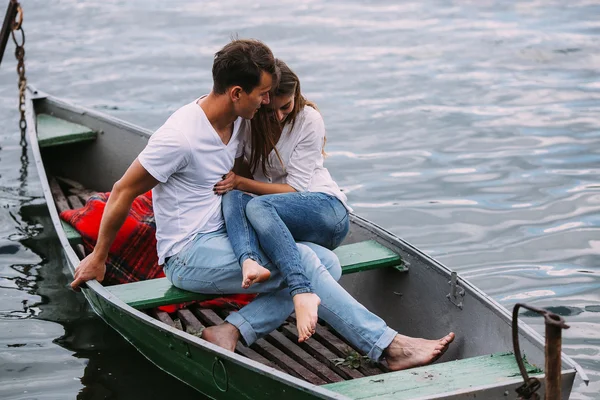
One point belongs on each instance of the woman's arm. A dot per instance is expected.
(240, 178)
(234, 181)
(256, 187)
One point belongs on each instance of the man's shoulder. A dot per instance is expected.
(187, 122)
(180, 118)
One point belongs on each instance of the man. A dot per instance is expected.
(182, 162)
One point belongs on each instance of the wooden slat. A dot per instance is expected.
(321, 353)
(74, 201)
(190, 322)
(461, 375)
(293, 367)
(211, 319)
(54, 131)
(83, 194)
(62, 205)
(59, 198)
(292, 349)
(163, 317)
(70, 183)
(337, 346)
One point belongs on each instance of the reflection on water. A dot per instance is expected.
(469, 129)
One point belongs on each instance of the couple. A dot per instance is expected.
(212, 235)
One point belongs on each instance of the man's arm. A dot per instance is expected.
(135, 182)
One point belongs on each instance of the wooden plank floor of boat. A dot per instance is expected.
(318, 360)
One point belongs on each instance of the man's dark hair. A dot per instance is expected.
(240, 63)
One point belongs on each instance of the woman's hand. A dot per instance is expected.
(229, 182)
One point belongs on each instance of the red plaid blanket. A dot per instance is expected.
(132, 256)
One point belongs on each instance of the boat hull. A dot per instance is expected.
(418, 303)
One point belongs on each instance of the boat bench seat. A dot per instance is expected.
(72, 235)
(54, 131)
(467, 376)
(354, 257)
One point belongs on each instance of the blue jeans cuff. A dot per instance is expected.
(246, 330)
(306, 289)
(251, 256)
(382, 343)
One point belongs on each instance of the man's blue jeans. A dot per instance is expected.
(275, 222)
(208, 265)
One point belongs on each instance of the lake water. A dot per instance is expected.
(470, 129)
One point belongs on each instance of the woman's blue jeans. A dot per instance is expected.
(275, 222)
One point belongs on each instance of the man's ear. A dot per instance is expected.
(235, 93)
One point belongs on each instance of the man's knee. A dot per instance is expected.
(328, 258)
(310, 261)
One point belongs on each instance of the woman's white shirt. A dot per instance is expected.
(301, 150)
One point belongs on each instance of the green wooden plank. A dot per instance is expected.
(72, 234)
(363, 256)
(154, 293)
(434, 379)
(54, 131)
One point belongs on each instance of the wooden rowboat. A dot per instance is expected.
(79, 151)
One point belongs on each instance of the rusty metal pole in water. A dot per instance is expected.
(554, 326)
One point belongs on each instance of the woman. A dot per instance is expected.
(298, 200)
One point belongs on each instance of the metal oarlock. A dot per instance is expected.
(554, 326)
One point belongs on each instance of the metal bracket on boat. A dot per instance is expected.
(456, 292)
(219, 362)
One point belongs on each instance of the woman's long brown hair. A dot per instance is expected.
(266, 129)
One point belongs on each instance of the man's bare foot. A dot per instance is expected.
(406, 352)
(224, 335)
(306, 306)
(253, 272)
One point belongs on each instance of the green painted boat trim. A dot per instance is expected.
(354, 257)
(154, 293)
(72, 235)
(434, 379)
(54, 131)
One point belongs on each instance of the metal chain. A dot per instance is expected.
(18, 36)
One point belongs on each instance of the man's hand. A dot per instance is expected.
(229, 182)
(91, 267)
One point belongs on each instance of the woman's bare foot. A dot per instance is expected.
(253, 272)
(306, 306)
(406, 352)
(224, 335)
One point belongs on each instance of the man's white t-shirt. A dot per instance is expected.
(187, 156)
